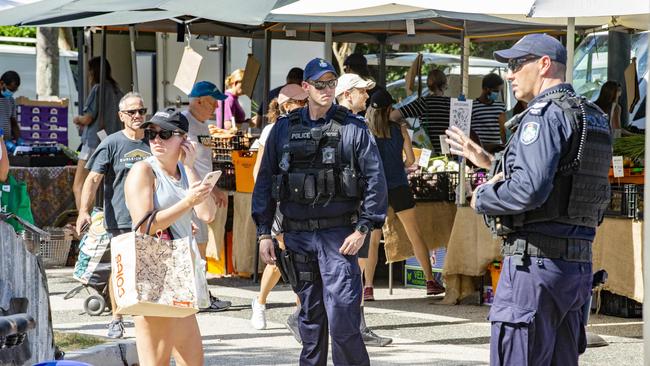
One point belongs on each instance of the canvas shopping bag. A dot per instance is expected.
(420, 138)
(14, 198)
(153, 276)
(93, 263)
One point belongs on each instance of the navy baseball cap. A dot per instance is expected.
(317, 68)
(204, 88)
(169, 119)
(381, 99)
(534, 44)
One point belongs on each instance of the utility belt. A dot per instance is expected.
(537, 245)
(317, 224)
(295, 267)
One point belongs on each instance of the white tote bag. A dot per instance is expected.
(154, 276)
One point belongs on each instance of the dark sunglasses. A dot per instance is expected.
(164, 134)
(320, 85)
(132, 112)
(515, 64)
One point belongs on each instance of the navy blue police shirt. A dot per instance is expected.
(533, 156)
(354, 135)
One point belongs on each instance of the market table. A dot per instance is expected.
(50, 190)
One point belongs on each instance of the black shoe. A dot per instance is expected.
(216, 305)
(373, 340)
(292, 326)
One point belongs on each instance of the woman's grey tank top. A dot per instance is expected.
(170, 191)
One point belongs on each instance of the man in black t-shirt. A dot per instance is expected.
(111, 162)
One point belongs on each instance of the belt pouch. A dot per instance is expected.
(349, 182)
(277, 187)
(296, 187)
(310, 187)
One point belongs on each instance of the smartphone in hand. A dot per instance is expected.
(211, 178)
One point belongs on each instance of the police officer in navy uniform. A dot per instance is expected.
(546, 198)
(323, 167)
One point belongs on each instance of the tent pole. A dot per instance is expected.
(570, 48)
(382, 61)
(646, 249)
(328, 42)
(134, 62)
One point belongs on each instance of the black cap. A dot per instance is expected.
(534, 44)
(381, 99)
(355, 59)
(169, 119)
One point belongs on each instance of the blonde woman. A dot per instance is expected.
(392, 139)
(168, 182)
(291, 97)
(233, 113)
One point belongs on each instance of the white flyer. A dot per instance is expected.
(460, 114)
(444, 146)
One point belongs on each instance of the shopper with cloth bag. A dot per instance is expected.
(168, 182)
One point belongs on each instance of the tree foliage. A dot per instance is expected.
(12, 31)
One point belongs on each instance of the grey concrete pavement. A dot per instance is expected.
(424, 332)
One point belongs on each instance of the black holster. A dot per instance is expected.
(295, 267)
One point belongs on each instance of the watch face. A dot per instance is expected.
(362, 229)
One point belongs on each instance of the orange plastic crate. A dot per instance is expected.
(244, 162)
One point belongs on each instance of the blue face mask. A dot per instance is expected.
(493, 96)
(7, 93)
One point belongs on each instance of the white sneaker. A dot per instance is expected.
(258, 319)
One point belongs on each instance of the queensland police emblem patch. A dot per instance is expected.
(322, 63)
(529, 133)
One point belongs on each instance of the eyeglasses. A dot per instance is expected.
(515, 64)
(164, 134)
(320, 85)
(132, 112)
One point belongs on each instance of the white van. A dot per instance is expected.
(22, 59)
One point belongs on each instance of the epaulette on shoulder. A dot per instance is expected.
(539, 108)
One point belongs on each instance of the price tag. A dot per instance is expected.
(617, 163)
(444, 146)
(424, 158)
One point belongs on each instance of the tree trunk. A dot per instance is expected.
(47, 62)
(66, 39)
(342, 50)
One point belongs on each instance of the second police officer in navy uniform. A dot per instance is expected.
(323, 167)
(546, 198)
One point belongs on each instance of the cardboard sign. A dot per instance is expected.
(424, 158)
(460, 114)
(188, 70)
(251, 72)
(617, 163)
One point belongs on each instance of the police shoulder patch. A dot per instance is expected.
(538, 108)
(529, 133)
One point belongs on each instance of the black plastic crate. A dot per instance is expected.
(438, 186)
(626, 201)
(621, 306)
(227, 179)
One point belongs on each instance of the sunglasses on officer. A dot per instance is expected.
(515, 64)
(150, 134)
(322, 84)
(132, 112)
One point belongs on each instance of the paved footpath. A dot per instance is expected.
(424, 332)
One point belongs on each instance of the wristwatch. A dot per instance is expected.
(363, 229)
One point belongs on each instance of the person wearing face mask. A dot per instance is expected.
(488, 113)
(9, 83)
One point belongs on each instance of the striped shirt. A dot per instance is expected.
(485, 121)
(7, 110)
(433, 112)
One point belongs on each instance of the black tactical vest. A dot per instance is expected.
(581, 189)
(312, 168)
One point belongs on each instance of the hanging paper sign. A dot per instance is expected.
(617, 163)
(188, 70)
(460, 114)
(444, 146)
(424, 158)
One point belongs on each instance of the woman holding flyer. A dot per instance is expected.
(392, 139)
(168, 183)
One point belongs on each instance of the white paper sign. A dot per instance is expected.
(444, 146)
(102, 135)
(617, 163)
(188, 70)
(424, 158)
(460, 114)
